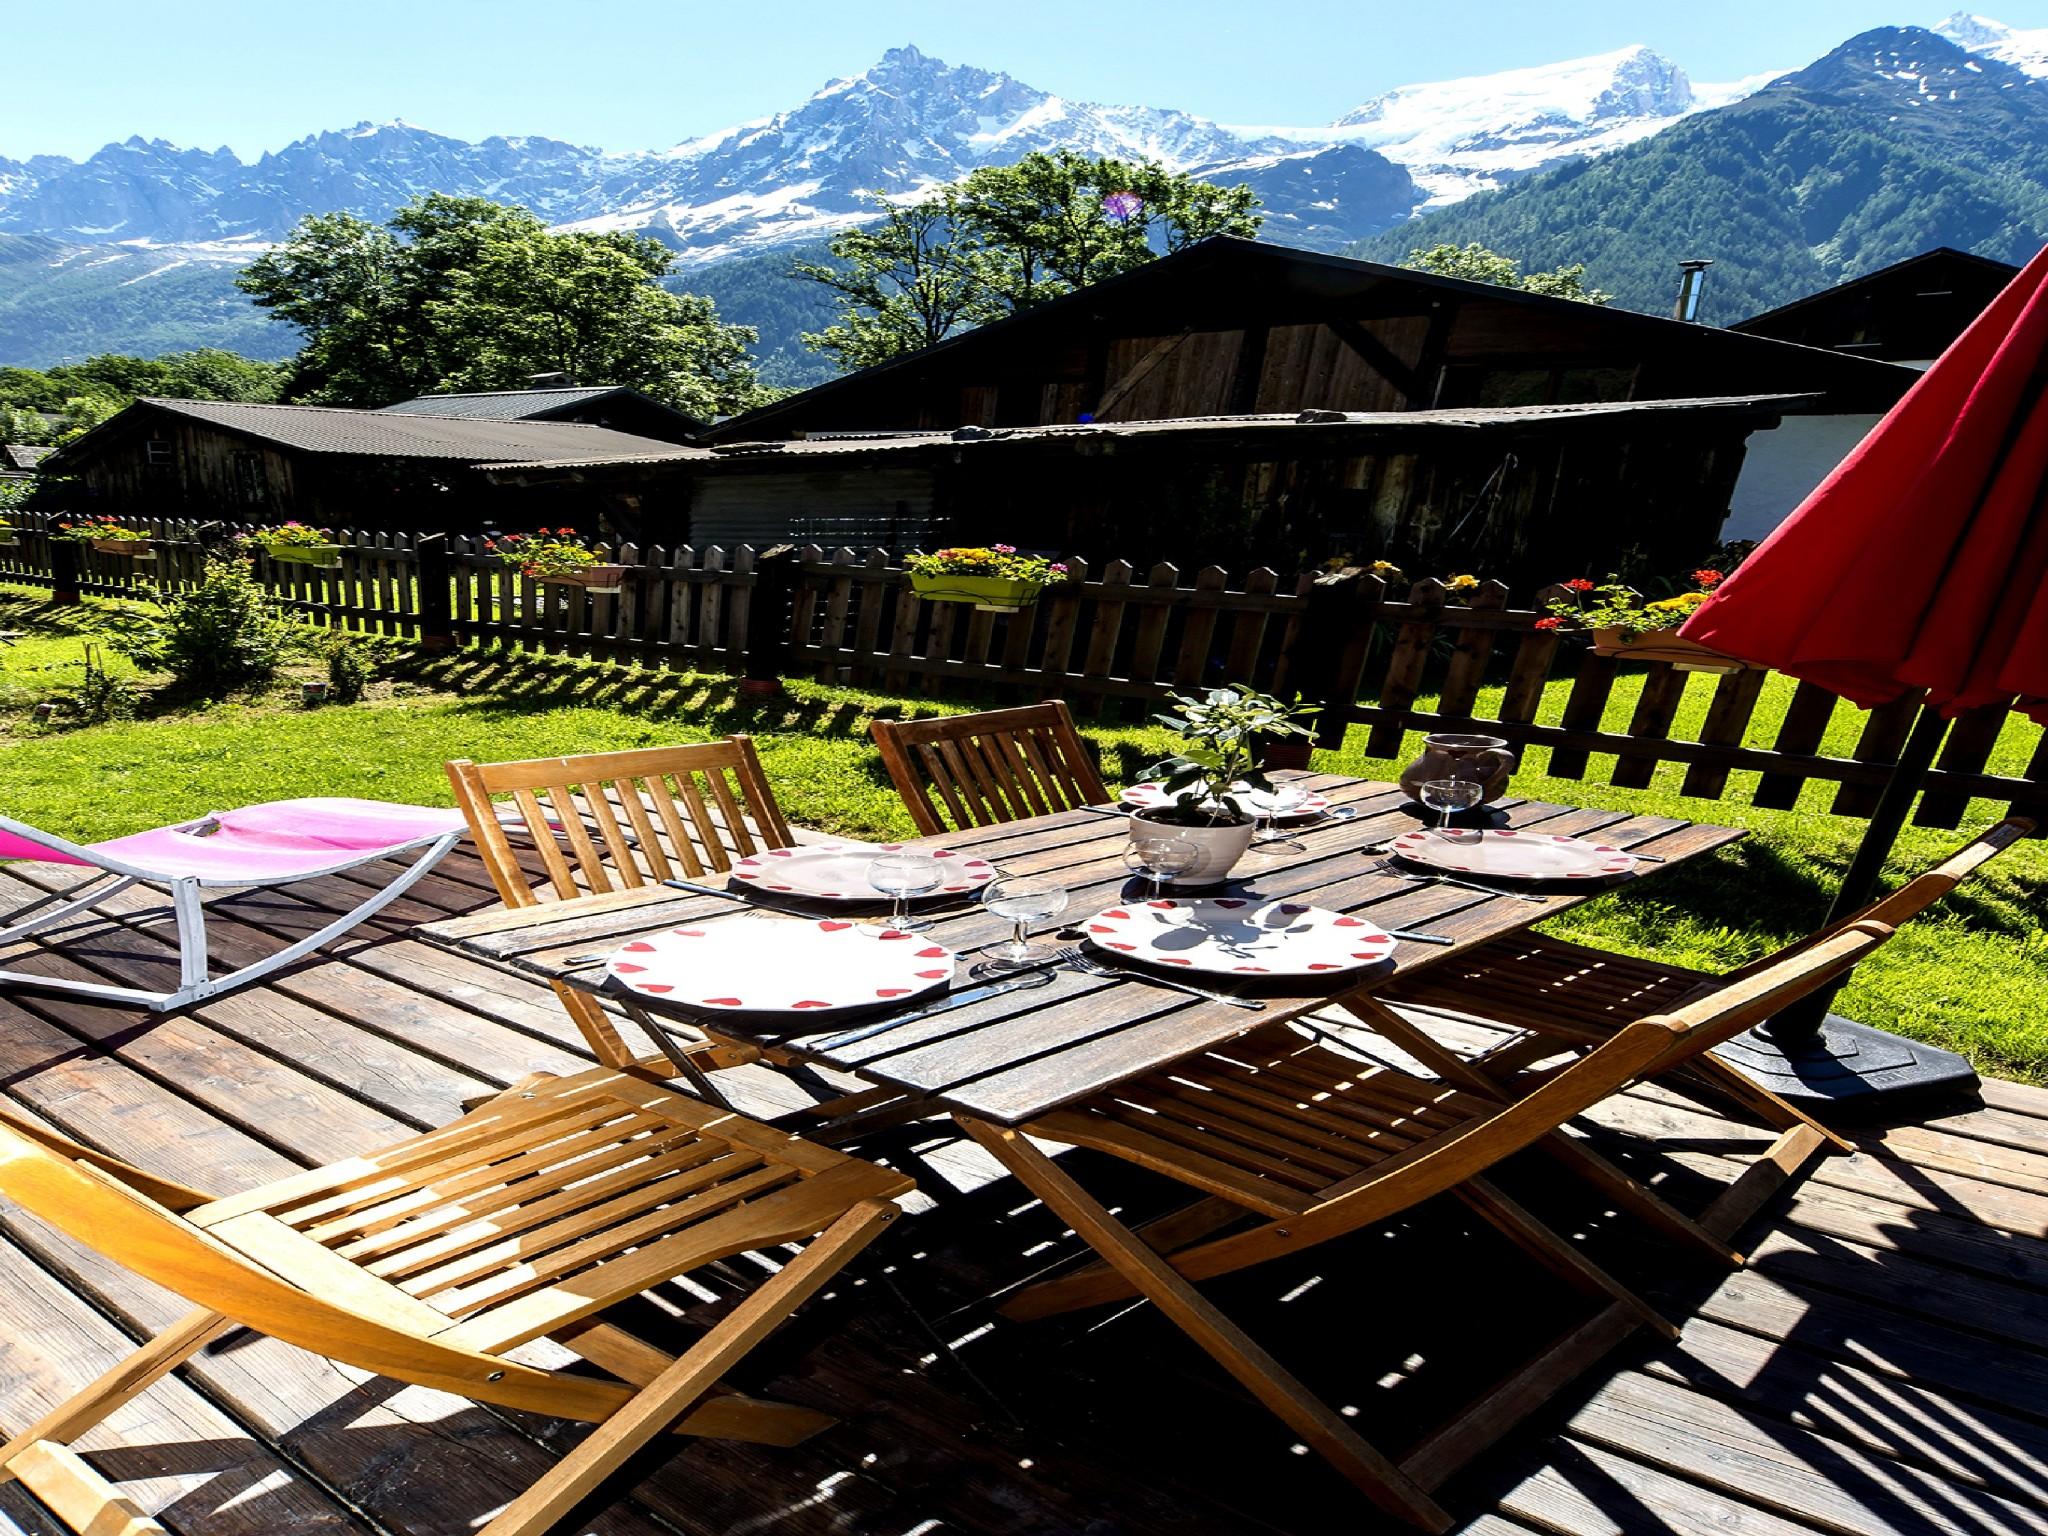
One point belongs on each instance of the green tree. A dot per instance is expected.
(464, 293)
(81, 413)
(903, 283)
(1006, 238)
(1475, 263)
(20, 425)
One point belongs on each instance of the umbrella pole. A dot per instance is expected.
(1810, 1055)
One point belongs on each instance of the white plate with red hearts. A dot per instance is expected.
(1150, 797)
(1240, 936)
(1505, 854)
(839, 871)
(756, 964)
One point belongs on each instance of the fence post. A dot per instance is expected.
(776, 574)
(1335, 641)
(436, 612)
(64, 562)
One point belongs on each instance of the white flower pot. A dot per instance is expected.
(1222, 844)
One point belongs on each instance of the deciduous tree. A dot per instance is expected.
(1477, 264)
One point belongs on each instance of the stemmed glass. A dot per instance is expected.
(1024, 901)
(901, 876)
(1160, 859)
(1448, 796)
(1285, 798)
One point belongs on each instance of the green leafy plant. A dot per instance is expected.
(217, 635)
(545, 551)
(348, 670)
(1221, 730)
(1612, 605)
(84, 530)
(998, 560)
(296, 534)
(101, 696)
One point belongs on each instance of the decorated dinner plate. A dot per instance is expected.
(839, 871)
(757, 964)
(1240, 936)
(1148, 797)
(1510, 855)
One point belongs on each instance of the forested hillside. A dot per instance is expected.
(1896, 142)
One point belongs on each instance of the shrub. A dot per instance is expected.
(222, 633)
(101, 696)
(348, 670)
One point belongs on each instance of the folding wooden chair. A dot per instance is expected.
(1566, 996)
(621, 821)
(1002, 765)
(1294, 1143)
(433, 1259)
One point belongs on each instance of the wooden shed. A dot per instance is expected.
(1529, 493)
(1238, 327)
(334, 468)
(1904, 313)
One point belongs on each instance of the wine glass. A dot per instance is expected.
(900, 876)
(1285, 798)
(1449, 796)
(1160, 857)
(1023, 900)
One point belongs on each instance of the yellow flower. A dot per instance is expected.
(1384, 566)
(1462, 583)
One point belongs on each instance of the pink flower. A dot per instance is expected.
(1058, 568)
(1550, 623)
(1006, 549)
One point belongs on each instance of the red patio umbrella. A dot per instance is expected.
(1921, 562)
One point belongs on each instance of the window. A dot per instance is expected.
(159, 453)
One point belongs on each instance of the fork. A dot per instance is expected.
(1386, 866)
(1073, 956)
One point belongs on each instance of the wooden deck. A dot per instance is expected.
(1881, 1366)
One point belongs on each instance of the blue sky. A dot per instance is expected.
(630, 74)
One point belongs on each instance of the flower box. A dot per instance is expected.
(325, 556)
(131, 549)
(990, 594)
(1663, 645)
(592, 578)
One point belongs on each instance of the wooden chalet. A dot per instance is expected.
(1238, 327)
(332, 468)
(606, 405)
(1904, 313)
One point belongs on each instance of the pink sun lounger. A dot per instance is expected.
(275, 844)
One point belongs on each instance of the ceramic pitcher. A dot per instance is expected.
(1485, 760)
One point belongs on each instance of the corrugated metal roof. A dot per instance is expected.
(502, 404)
(382, 435)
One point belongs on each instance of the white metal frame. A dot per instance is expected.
(194, 982)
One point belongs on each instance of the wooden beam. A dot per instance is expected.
(1139, 370)
(1251, 365)
(1378, 356)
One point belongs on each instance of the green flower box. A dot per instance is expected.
(991, 594)
(325, 556)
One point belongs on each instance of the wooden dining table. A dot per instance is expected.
(1055, 1036)
(1064, 1036)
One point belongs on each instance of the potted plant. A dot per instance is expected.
(996, 579)
(296, 544)
(556, 556)
(1620, 622)
(1216, 765)
(107, 535)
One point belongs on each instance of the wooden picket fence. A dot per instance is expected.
(1425, 659)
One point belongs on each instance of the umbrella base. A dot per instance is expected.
(1852, 1067)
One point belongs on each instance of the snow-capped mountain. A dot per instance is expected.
(910, 123)
(2025, 50)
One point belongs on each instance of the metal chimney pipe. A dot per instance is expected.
(1692, 276)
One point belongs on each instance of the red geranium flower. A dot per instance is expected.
(1550, 623)
(1579, 584)
(1709, 579)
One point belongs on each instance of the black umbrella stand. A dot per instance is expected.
(1814, 1057)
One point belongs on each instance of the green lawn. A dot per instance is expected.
(1973, 975)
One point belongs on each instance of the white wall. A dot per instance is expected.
(1783, 465)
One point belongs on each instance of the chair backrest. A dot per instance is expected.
(1001, 765)
(612, 820)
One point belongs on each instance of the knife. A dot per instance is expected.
(1037, 975)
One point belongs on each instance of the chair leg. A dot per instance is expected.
(1777, 1113)
(1516, 1223)
(41, 1458)
(1785, 1160)
(695, 1372)
(1227, 1344)
(1163, 1234)
(1638, 1199)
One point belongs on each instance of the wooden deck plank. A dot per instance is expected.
(1885, 1361)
